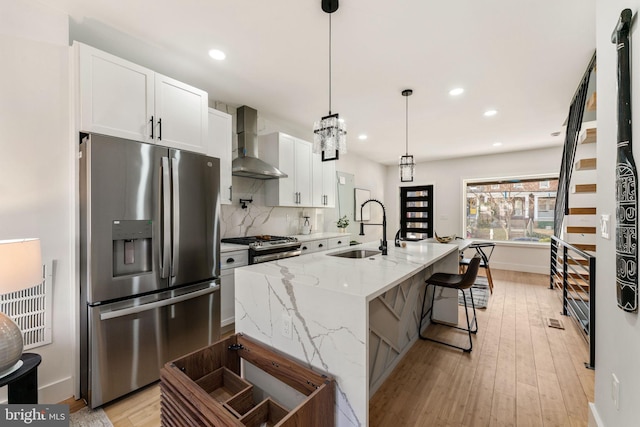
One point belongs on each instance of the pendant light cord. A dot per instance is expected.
(407, 126)
(329, 64)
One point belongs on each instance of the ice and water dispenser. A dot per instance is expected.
(132, 245)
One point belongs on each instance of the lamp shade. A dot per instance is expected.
(20, 264)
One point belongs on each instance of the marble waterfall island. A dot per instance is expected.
(351, 318)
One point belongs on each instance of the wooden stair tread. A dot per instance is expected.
(582, 211)
(586, 164)
(585, 246)
(581, 230)
(588, 136)
(592, 102)
(585, 188)
(574, 261)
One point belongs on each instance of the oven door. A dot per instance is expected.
(273, 254)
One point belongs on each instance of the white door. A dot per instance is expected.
(219, 145)
(329, 183)
(182, 115)
(116, 96)
(287, 164)
(317, 181)
(303, 172)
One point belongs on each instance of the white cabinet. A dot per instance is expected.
(293, 157)
(119, 98)
(314, 246)
(324, 183)
(219, 145)
(181, 115)
(338, 242)
(229, 261)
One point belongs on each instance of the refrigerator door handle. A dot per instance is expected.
(175, 217)
(157, 304)
(166, 219)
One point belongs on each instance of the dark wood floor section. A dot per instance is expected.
(520, 373)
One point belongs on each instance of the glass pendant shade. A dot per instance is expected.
(406, 168)
(330, 135)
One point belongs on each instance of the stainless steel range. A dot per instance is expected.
(267, 248)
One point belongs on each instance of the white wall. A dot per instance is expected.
(36, 167)
(447, 178)
(617, 332)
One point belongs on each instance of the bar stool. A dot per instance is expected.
(453, 281)
(485, 250)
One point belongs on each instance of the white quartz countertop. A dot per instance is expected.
(365, 277)
(230, 247)
(320, 236)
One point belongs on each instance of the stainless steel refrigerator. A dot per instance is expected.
(150, 256)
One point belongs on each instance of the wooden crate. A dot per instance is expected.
(205, 388)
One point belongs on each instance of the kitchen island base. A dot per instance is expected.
(352, 318)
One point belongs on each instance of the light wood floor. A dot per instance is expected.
(520, 372)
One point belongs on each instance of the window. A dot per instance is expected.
(511, 209)
(416, 211)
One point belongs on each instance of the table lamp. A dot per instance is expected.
(20, 268)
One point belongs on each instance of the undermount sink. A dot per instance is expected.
(355, 253)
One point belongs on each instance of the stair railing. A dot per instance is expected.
(575, 272)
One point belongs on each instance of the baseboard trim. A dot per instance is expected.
(525, 268)
(52, 393)
(594, 417)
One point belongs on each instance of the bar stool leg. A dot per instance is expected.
(489, 279)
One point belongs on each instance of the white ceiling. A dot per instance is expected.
(523, 58)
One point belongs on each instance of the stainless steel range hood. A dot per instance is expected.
(248, 164)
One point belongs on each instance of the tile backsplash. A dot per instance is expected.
(258, 219)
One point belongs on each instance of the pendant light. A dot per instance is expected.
(330, 132)
(406, 162)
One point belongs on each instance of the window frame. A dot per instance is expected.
(466, 182)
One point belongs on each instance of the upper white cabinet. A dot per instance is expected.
(219, 145)
(122, 99)
(293, 157)
(181, 115)
(324, 182)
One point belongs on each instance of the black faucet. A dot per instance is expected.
(383, 242)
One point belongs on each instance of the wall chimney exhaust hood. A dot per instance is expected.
(248, 164)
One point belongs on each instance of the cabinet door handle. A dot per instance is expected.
(320, 245)
(339, 242)
(151, 127)
(160, 129)
(230, 260)
(231, 193)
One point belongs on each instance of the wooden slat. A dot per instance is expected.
(585, 188)
(582, 211)
(581, 230)
(584, 246)
(586, 164)
(592, 102)
(589, 136)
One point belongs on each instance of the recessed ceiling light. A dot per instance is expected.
(457, 91)
(217, 54)
(490, 113)
(497, 144)
(362, 137)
